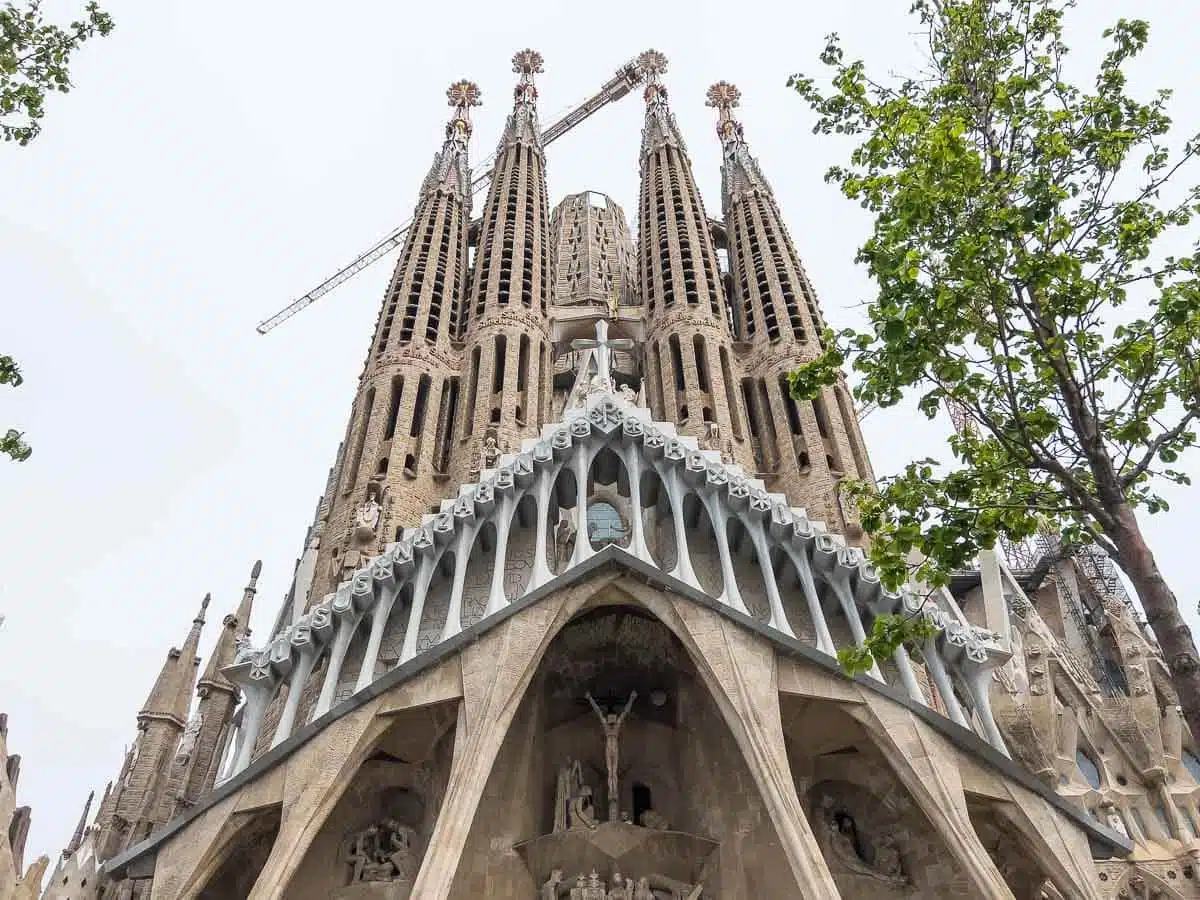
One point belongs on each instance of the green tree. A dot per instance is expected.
(34, 57)
(1020, 277)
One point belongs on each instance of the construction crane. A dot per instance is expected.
(627, 78)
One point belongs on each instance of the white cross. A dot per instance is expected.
(603, 348)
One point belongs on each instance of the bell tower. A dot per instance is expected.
(688, 346)
(505, 323)
(800, 448)
(399, 439)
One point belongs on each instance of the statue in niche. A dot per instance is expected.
(628, 394)
(383, 852)
(489, 454)
(366, 519)
(611, 723)
(712, 436)
(187, 743)
(564, 540)
(549, 890)
(643, 892)
(846, 844)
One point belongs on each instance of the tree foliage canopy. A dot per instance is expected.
(34, 57)
(1017, 255)
(33, 62)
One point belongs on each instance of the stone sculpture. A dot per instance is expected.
(622, 888)
(383, 852)
(583, 810)
(595, 888)
(550, 887)
(573, 806)
(366, 520)
(564, 540)
(846, 845)
(611, 723)
(490, 454)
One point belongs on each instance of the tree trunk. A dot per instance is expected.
(1162, 614)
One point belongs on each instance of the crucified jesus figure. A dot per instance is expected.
(611, 723)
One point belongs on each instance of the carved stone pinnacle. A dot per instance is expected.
(652, 61)
(527, 62)
(463, 93)
(723, 95)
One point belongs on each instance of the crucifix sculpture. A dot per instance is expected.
(602, 349)
(611, 723)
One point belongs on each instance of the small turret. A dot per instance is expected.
(77, 838)
(171, 695)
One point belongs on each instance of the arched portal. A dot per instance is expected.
(244, 857)
(682, 809)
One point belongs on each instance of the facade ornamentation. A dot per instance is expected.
(611, 723)
(383, 852)
(463, 588)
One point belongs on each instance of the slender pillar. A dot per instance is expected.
(941, 678)
(808, 585)
(503, 519)
(287, 719)
(425, 569)
(347, 625)
(257, 698)
(778, 617)
(853, 617)
(718, 515)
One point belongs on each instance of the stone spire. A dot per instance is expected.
(660, 128)
(507, 333)
(802, 448)
(522, 124)
(77, 838)
(233, 626)
(690, 364)
(192, 769)
(172, 692)
(739, 170)
(451, 171)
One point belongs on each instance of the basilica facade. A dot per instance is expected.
(566, 620)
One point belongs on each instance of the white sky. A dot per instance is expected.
(216, 160)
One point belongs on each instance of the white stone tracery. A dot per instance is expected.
(833, 579)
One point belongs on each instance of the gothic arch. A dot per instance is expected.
(240, 859)
(388, 804)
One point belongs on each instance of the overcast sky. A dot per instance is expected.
(214, 161)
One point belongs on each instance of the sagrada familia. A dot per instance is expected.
(566, 620)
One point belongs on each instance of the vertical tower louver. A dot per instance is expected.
(506, 325)
(400, 434)
(805, 448)
(688, 347)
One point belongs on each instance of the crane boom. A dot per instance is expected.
(626, 79)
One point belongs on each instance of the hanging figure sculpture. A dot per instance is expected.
(611, 723)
